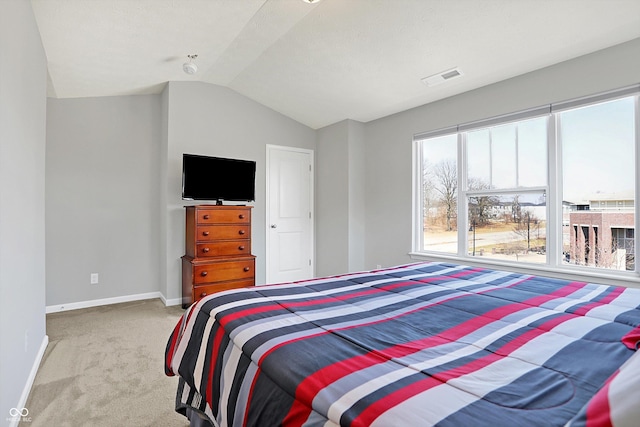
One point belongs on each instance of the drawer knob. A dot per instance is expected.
(205, 233)
(205, 250)
(241, 216)
(204, 273)
(247, 269)
(206, 217)
(241, 232)
(202, 295)
(241, 248)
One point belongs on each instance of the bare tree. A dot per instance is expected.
(617, 255)
(428, 186)
(446, 175)
(480, 207)
(516, 210)
(526, 226)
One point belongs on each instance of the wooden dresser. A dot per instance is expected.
(218, 251)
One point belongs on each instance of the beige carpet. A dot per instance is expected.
(104, 366)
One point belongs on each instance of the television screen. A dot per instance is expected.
(216, 178)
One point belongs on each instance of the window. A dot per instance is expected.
(508, 156)
(623, 248)
(440, 195)
(506, 190)
(553, 186)
(598, 170)
(508, 226)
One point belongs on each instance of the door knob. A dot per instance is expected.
(274, 226)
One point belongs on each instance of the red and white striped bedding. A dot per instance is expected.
(415, 345)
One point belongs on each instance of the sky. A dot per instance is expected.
(598, 150)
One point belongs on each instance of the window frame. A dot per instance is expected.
(553, 190)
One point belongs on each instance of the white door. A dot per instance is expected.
(289, 214)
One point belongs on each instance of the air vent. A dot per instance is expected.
(442, 77)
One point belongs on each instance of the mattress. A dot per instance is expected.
(422, 344)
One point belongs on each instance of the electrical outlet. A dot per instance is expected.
(378, 266)
(94, 278)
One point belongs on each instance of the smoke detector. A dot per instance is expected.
(190, 67)
(442, 77)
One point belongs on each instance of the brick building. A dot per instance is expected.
(601, 234)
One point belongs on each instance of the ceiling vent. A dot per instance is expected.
(442, 77)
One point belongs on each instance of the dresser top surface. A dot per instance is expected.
(219, 206)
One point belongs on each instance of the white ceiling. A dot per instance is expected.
(321, 63)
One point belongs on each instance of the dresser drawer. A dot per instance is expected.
(223, 270)
(201, 291)
(226, 248)
(222, 232)
(223, 216)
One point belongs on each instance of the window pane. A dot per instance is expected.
(440, 191)
(598, 172)
(503, 156)
(508, 156)
(508, 227)
(478, 159)
(532, 152)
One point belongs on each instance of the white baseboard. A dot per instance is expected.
(170, 302)
(103, 301)
(14, 421)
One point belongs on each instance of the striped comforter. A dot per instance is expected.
(415, 345)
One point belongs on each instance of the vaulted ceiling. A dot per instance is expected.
(324, 62)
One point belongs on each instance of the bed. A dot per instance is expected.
(421, 344)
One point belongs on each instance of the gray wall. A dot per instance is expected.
(102, 197)
(22, 192)
(357, 201)
(389, 140)
(340, 203)
(162, 187)
(113, 171)
(332, 200)
(213, 120)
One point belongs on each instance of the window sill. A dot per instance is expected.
(627, 279)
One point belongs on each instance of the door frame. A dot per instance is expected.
(312, 253)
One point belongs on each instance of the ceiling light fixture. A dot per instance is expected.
(189, 67)
(311, 1)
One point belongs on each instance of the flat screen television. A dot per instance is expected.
(217, 178)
